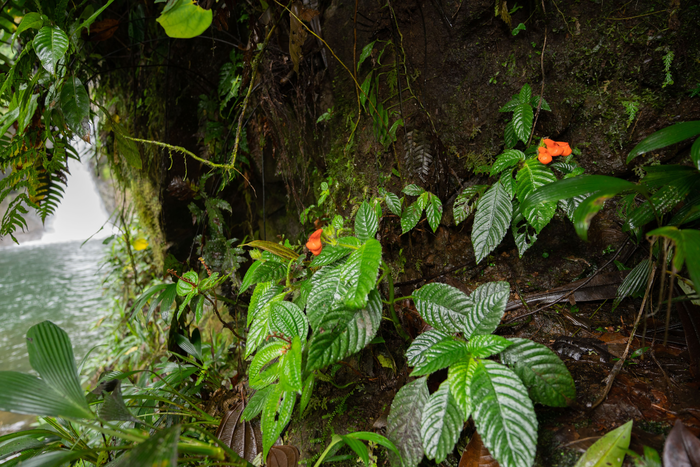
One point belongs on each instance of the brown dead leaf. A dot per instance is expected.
(682, 448)
(244, 438)
(283, 456)
(102, 30)
(476, 454)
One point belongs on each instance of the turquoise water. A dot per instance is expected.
(60, 282)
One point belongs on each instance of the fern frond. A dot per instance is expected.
(50, 193)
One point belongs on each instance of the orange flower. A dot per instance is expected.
(314, 244)
(551, 149)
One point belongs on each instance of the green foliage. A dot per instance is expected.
(183, 19)
(495, 395)
(426, 201)
(521, 105)
(609, 450)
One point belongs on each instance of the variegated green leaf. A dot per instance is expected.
(489, 303)
(509, 158)
(466, 202)
(404, 422)
(416, 351)
(360, 273)
(443, 307)
(483, 346)
(256, 403)
(460, 377)
(441, 424)
(366, 222)
(543, 373)
(268, 271)
(393, 202)
(288, 319)
(327, 290)
(290, 377)
(276, 415)
(441, 355)
(491, 221)
(410, 217)
(522, 121)
(504, 414)
(532, 175)
(413, 190)
(433, 211)
(524, 237)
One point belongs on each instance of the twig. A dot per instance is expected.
(571, 292)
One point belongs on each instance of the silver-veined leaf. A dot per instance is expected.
(360, 273)
(441, 355)
(466, 202)
(260, 325)
(433, 211)
(525, 94)
(531, 176)
(488, 305)
(263, 293)
(504, 414)
(50, 44)
(441, 423)
(404, 422)
(509, 158)
(345, 333)
(483, 346)
(256, 403)
(543, 373)
(393, 202)
(327, 290)
(410, 217)
(422, 201)
(634, 283)
(460, 377)
(509, 137)
(288, 319)
(366, 222)
(416, 351)
(413, 190)
(290, 378)
(443, 307)
(524, 238)
(491, 221)
(508, 182)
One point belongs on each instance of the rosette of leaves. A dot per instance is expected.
(411, 215)
(305, 317)
(499, 396)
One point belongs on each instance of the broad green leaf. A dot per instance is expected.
(345, 333)
(184, 284)
(504, 414)
(443, 307)
(582, 185)
(366, 51)
(521, 230)
(256, 403)
(466, 202)
(441, 424)
(27, 394)
(687, 249)
(483, 346)
(689, 212)
(266, 355)
(50, 44)
(665, 137)
(274, 248)
(695, 153)
(75, 104)
(276, 415)
(327, 289)
(199, 309)
(441, 355)
(511, 105)
(531, 177)
(51, 355)
(290, 379)
(268, 271)
(509, 137)
(359, 448)
(508, 182)
(489, 303)
(393, 202)
(160, 449)
(288, 319)
(404, 422)
(508, 159)
(184, 20)
(535, 102)
(543, 373)
(422, 201)
(185, 344)
(306, 392)
(634, 283)
(366, 222)
(416, 351)
(263, 293)
(586, 211)
(525, 95)
(413, 190)
(375, 438)
(670, 174)
(410, 217)
(608, 451)
(460, 377)
(522, 121)
(433, 211)
(360, 273)
(491, 221)
(31, 20)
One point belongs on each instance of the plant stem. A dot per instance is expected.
(390, 282)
